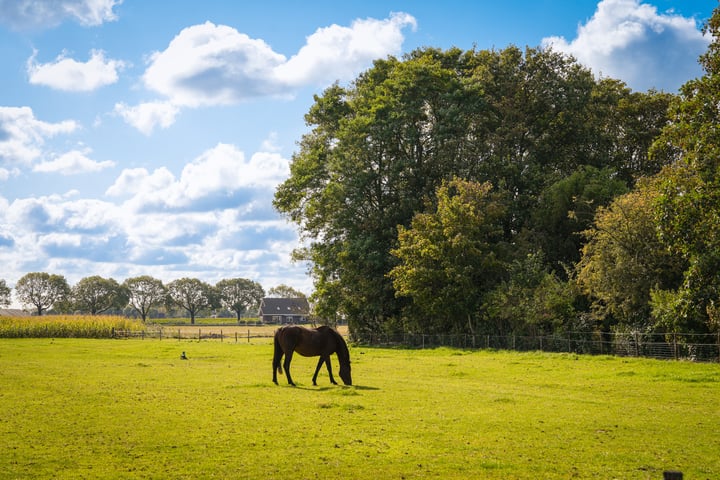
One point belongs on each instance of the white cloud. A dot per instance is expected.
(341, 53)
(208, 64)
(146, 116)
(212, 64)
(70, 75)
(6, 174)
(72, 163)
(22, 135)
(160, 225)
(217, 175)
(631, 41)
(49, 13)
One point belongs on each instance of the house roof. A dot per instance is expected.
(284, 306)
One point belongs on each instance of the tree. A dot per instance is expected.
(191, 294)
(144, 292)
(4, 294)
(532, 300)
(449, 257)
(567, 208)
(624, 259)
(687, 209)
(285, 291)
(42, 290)
(379, 149)
(97, 295)
(239, 294)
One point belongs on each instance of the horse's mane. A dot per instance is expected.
(342, 350)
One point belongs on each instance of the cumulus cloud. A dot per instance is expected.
(209, 64)
(22, 135)
(340, 53)
(201, 222)
(631, 41)
(70, 75)
(49, 13)
(73, 163)
(218, 175)
(146, 116)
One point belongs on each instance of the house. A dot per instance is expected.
(284, 310)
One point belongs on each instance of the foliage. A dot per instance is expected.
(192, 295)
(42, 290)
(96, 295)
(449, 257)
(4, 294)
(144, 292)
(283, 291)
(239, 294)
(688, 207)
(132, 409)
(379, 149)
(532, 301)
(624, 259)
(66, 326)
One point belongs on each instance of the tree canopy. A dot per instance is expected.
(522, 122)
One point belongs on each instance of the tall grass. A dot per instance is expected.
(66, 326)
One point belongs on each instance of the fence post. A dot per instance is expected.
(221, 336)
(248, 335)
(675, 349)
(199, 334)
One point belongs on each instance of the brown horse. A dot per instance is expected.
(322, 341)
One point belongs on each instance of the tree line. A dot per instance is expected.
(95, 295)
(500, 191)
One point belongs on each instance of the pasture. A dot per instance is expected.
(82, 408)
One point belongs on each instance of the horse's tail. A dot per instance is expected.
(277, 365)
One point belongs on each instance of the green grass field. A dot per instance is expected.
(78, 408)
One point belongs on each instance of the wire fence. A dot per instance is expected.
(673, 346)
(677, 346)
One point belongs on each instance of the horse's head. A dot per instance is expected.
(345, 374)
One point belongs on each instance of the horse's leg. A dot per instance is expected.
(288, 358)
(317, 369)
(329, 368)
(277, 358)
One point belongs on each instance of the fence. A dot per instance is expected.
(206, 333)
(677, 346)
(695, 347)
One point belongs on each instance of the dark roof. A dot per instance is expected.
(284, 306)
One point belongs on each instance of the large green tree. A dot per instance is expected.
(144, 293)
(449, 257)
(689, 204)
(192, 295)
(239, 294)
(379, 149)
(42, 290)
(624, 260)
(96, 295)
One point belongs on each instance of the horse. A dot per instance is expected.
(322, 341)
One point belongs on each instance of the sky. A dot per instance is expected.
(141, 137)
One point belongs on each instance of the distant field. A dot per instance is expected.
(79, 408)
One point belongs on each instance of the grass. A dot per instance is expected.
(75, 408)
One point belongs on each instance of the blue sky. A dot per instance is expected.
(140, 137)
